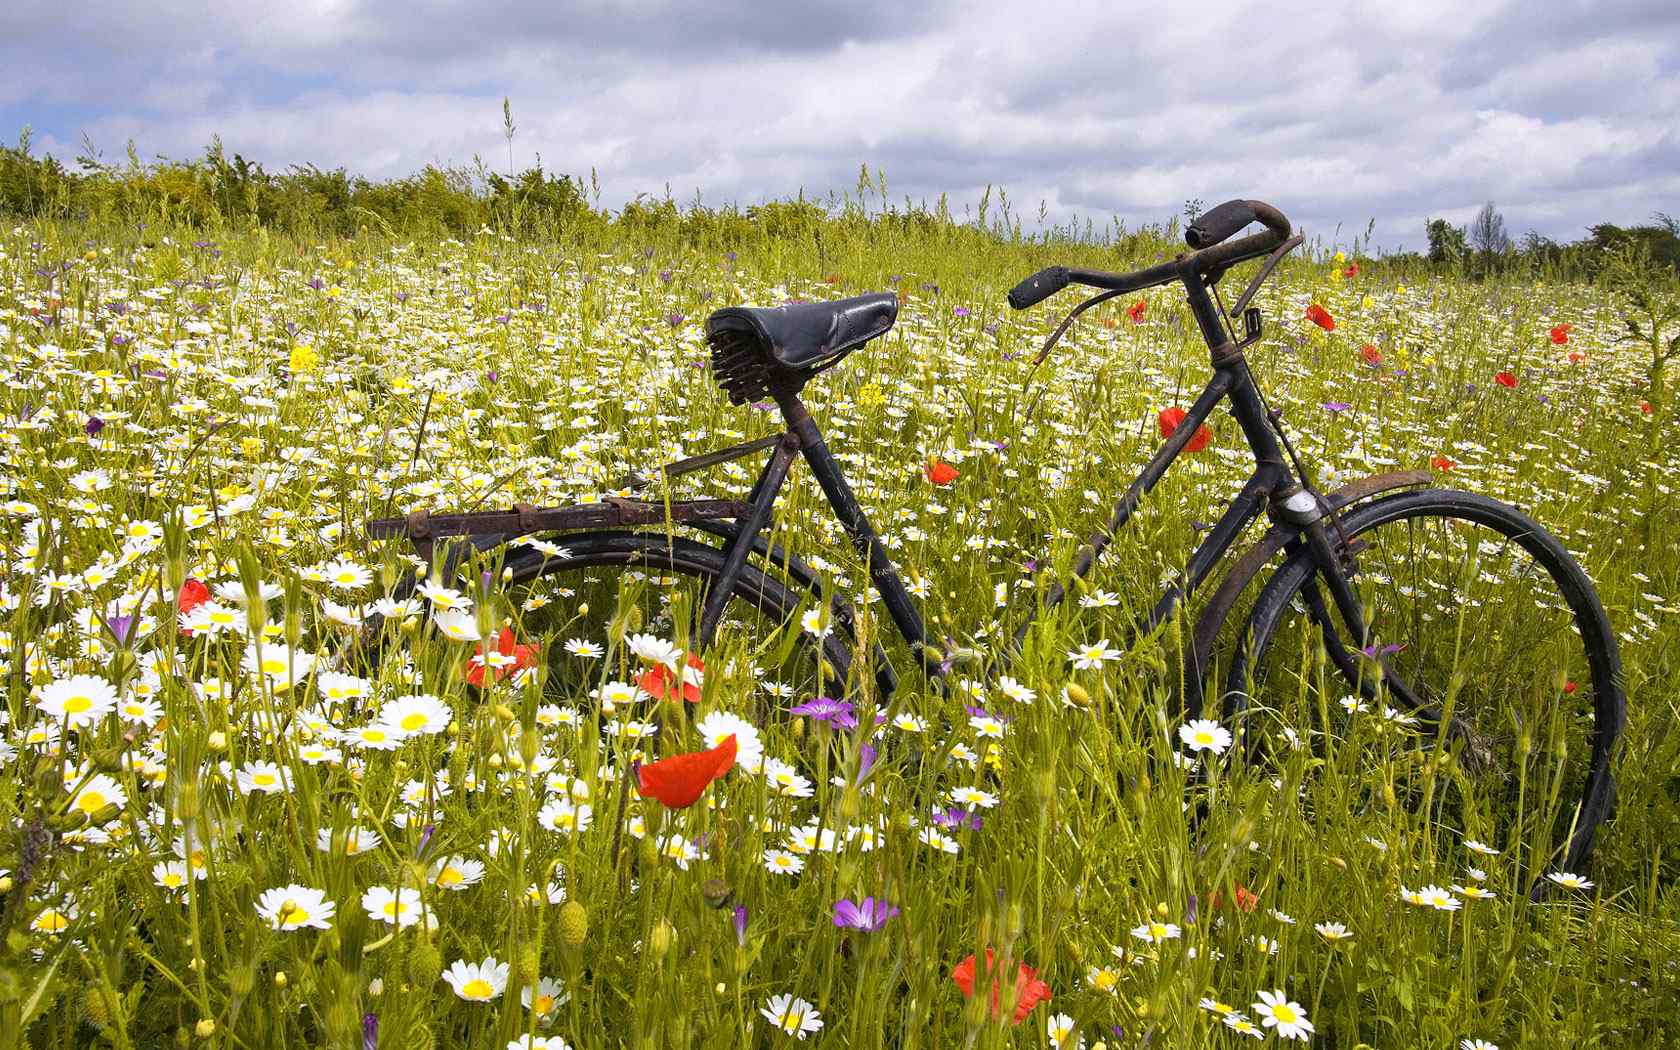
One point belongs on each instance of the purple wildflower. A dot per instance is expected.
(1336, 406)
(739, 918)
(837, 713)
(1373, 652)
(866, 761)
(675, 320)
(370, 1032)
(93, 425)
(867, 914)
(961, 311)
(121, 628)
(956, 817)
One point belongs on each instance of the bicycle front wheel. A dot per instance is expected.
(1487, 699)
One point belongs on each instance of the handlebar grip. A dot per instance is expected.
(1218, 224)
(1039, 287)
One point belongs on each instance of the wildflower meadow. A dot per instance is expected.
(257, 791)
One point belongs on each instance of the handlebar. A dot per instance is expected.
(1206, 234)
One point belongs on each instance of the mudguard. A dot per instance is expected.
(1278, 538)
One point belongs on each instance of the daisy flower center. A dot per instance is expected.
(75, 705)
(477, 988)
(1284, 1014)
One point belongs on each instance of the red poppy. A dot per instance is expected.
(1560, 333)
(1576, 357)
(942, 473)
(1318, 315)
(1351, 271)
(1570, 686)
(659, 681)
(1645, 407)
(193, 594)
(1442, 463)
(1135, 311)
(1168, 420)
(1371, 354)
(1029, 990)
(522, 655)
(677, 782)
(1506, 379)
(1247, 899)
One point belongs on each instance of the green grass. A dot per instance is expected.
(260, 398)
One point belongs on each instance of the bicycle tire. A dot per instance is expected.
(753, 590)
(1289, 597)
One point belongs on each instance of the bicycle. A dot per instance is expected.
(1353, 589)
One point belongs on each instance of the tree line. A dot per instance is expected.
(1485, 247)
(217, 191)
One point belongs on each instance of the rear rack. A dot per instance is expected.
(424, 528)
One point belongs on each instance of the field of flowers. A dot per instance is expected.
(226, 824)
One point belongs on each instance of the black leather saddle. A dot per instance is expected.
(757, 351)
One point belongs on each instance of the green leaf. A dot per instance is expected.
(38, 1000)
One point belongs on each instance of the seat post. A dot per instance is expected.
(882, 573)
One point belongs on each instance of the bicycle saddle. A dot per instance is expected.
(757, 349)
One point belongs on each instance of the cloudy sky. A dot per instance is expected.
(1565, 113)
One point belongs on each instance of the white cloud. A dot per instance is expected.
(1336, 114)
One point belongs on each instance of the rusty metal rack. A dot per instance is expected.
(424, 528)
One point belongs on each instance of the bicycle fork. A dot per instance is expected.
(1335, 569)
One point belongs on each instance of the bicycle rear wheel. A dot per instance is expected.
(670, 580)
(1497, 634)
(576, 591)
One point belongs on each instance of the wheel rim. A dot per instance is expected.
(1467, 609)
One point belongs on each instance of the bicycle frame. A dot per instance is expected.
(1271, 485)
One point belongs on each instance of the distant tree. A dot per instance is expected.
(1487, 233)
(1446, 241)
(1660, 242)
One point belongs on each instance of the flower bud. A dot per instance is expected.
(425, 963)
(205, 1028)
(661, 939)
(95, 1007)
(529, 968)
(574, 924)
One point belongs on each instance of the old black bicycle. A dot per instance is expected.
(1450, 615)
